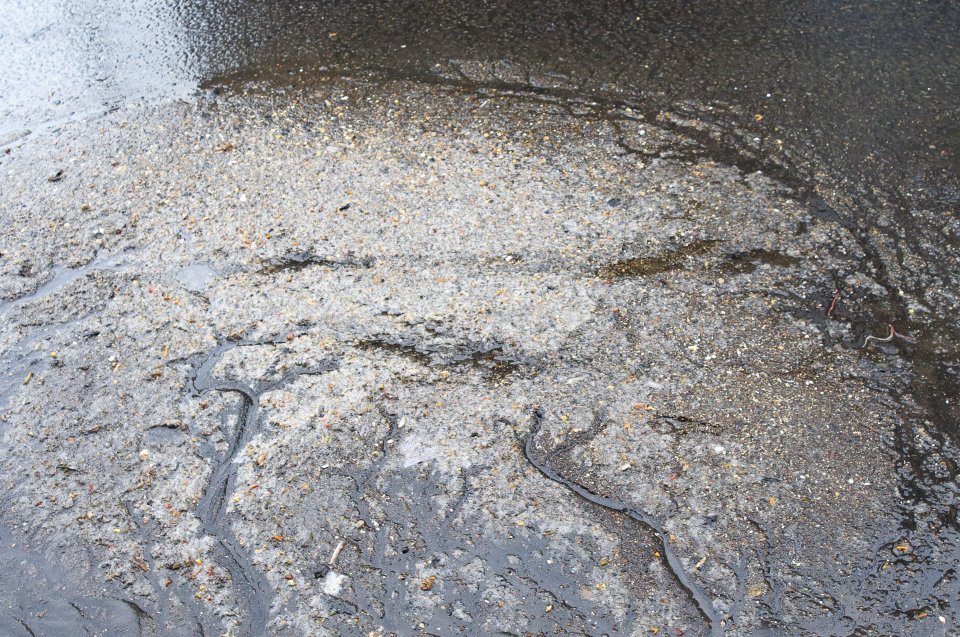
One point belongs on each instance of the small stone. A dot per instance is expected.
(428, 583)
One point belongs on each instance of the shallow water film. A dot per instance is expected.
(479, 318)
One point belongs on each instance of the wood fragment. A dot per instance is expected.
(336, 553)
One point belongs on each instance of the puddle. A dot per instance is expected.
(761, 64)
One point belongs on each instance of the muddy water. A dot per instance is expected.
(852, 106)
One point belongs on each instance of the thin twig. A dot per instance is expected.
(336, 553)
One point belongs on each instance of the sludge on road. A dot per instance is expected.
(473, 351)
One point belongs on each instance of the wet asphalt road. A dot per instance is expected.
(871, 89)
(851, 106)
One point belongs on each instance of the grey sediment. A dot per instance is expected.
(698, 595)
(213, 505)
(728, 408)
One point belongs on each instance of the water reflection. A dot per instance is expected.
(62, 58)
(805, 66)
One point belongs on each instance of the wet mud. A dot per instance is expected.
(211, 509)
(663, 262)
(585, 320)
(698, 596)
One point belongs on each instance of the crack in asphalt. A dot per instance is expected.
(26, 627)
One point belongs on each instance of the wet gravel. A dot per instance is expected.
(453, 344)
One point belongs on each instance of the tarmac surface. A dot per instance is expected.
(479, 318)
